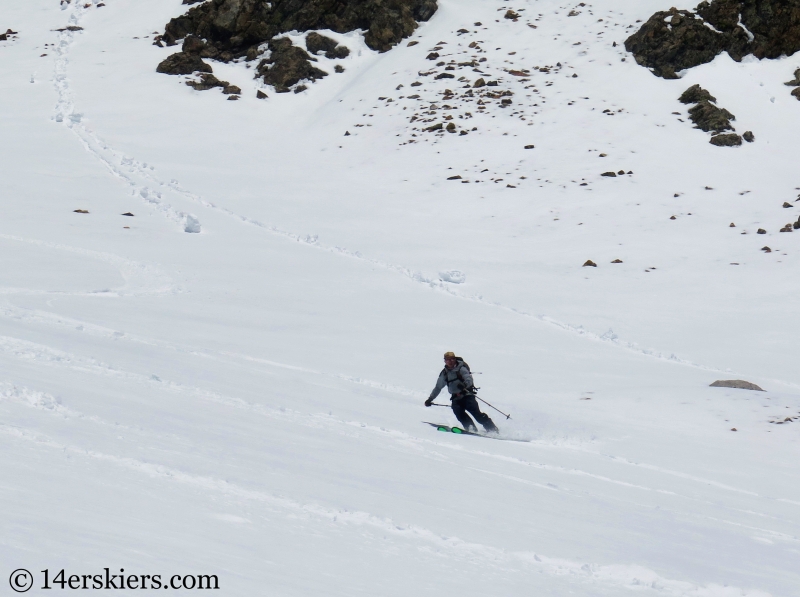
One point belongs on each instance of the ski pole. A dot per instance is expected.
(445, 405)
(494, 407)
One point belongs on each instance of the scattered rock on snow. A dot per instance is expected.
(207, 81)
(316, 43)
(729, 140)
(81, 211)
(735, 383)
(696, 94)
(796, 81)
(182, 63)
(749, 136)
(589, 263)
(609, 174)
(761, 231)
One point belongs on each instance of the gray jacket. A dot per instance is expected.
(458, 381)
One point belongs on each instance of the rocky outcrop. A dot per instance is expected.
(229, 29)
(287, 65)
(673, 40)
(237, 27)
(707, 117)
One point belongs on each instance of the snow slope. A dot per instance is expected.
(246, 401)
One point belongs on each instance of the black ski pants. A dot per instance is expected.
(467, 404)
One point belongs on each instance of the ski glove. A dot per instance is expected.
(429, 401)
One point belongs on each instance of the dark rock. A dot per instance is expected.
(316, 43)
(3, 37)
(617, 261)
(207, 81)
(609, 174)
(796, 81)
(451, 128)
(193, 45)
(412, 43)
(761, 231)
(300, 88)
(589, 263)
(694, 95)
(787, 204)
(436, 127)
(182, 63)
(708, 117)
(766, 249)
(81, 211)
(456, 177)
(479, 83)
(432, 56)
(728, 140)
(510, 14)
(673, 218)
(444, 76)
(287, 65)
(796, 93)
(233, 98)
(232, 90)
(529, 147)
(127, 213)
(749, 136)
(491, 84)
(261, 95)
(338, 68)
(732, 225)
(673, 40)
(621, 172)
(677, 39)
(735, 383)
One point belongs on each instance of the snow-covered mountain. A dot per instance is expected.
(219, 320)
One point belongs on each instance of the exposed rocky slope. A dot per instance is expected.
(229, 29)
(673, 40)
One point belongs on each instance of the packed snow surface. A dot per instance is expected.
(231, 381)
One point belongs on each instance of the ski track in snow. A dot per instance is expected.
(30, 351)
(140, 279)
(117, 163)
(627, 576)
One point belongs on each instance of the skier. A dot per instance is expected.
(458, 380)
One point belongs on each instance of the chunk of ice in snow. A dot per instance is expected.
(191, 224)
